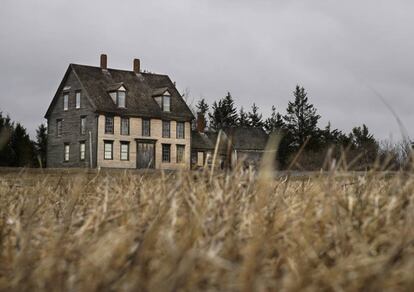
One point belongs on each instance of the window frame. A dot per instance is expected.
(65, 101)
(117, 98)
(183, 132)
(66, 145)
(112, 128)
(143, 129)
(124, 143)
(82, 127)
(164, 130)
(169, 103)
(109, 142)
(181, 146)
(78, 100)
(163, 148)
(59, 130)
(80, 151)
(128, 128)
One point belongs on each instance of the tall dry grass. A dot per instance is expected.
(129, 231)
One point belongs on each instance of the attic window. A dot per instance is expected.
(119, 96)
(164, 101)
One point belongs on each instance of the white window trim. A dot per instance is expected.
(65, 101)
(78, 99)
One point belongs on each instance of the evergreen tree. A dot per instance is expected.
(243, 120)
(255, 119)
(301, 120)
(274, 122)
(202, 106)
(224, 113)
(364, 142)
(22, 146)
(7, 154)
(41, 144)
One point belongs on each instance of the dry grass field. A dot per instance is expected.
(240, 231)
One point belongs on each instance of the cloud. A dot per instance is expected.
(258, 50)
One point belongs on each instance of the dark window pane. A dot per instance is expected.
(180, 130)
(146, 128)
(166, 129)
(124, 126)
(180, 153)
(83, 125)
(166, 152)
(109, 125)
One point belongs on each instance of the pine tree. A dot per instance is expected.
(255, 118)
(274, 122)
(22, 146)
(301, 120)
(243, 120)
(202, 106)
(7, 155)
(364, 142)
(41, 144)
(224, 113)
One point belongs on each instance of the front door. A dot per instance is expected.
(145, 155)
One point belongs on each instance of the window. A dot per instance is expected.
(65, 101)
(66, 152)
(166, 103)
(109, 125)
(108, 150)
(180, 153)
(166, 152)
(124, 126)
(146, 128)
(83, 125)
(82, 151)
(78, 98)
(166, 129)
(59, 127)
(121, 99)
(124, 151)
(180, 130)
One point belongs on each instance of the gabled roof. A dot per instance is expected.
(115, 86)
(139, 95)
(159, 91)
(242, 138)
(201, 141)
(247, 138)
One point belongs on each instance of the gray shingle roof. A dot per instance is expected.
(201, 141)
(139, 95)
(247, 138)
(241, 139)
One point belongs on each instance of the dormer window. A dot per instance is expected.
(163, 98)
(166, 100)
(118, 95)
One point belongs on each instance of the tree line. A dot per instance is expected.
(16, 147)
(300, 132)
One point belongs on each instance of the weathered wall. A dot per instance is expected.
(71, 128)
(136, 133)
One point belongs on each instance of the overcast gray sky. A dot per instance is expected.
(258, 50)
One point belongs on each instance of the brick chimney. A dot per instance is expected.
(104, 62)
(201, 122)
(137, 66)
